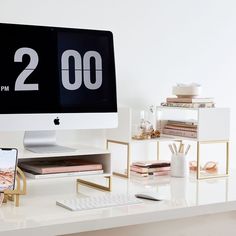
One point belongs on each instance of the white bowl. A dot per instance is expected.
(186, 91)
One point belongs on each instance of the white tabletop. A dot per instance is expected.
(38, 213)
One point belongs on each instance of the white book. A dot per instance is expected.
(188, 105)
(60, 175)
(189, 100)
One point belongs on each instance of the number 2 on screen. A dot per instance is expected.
(34, 59)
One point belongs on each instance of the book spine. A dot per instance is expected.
(186, 100)
(156, 163)
(181, 133)
(62, 169)
(161, 173)
(143, 170)
(180, 128)
(138, 174)
(182, 123)
(188, 105)
(139, 169)
(189, 100)
(159, 169)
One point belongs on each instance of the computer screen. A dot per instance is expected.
(56, 78)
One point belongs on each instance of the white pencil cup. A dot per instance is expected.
(179, 165)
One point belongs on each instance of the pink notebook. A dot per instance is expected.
(59, 166)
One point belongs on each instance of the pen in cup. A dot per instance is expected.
(175, 148)
(171, 149)
(180, 150)
(180, 145)
(187, 149)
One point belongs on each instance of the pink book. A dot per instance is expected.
(161, 173)
(139, 169)
(175, 127)
(133, 173)
(182, 133)
(148, 169)
(59, 166)
(159, 169)
(154, 163)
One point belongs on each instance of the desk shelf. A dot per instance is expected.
(213, 126)
(92, 154)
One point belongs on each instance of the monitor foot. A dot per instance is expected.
(50, 149)
(44, 142)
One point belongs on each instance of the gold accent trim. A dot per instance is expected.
(120, 174)
(214, 141)
(213, 176)
(227, 158)
(198, 160)
(94, 185)
(117, 142)
(226, 181)
(128, 158)
(158, 150)
(12, 195)
(199, 176)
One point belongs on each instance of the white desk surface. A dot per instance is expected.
(38, 213)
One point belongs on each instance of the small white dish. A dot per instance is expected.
(187, 90)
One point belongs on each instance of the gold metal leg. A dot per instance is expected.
(128, 159)
(94, 185)
(198, 160)
(158, 150)
(227, 158)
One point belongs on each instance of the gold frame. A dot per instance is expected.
(226, 181)
(158, 150)
(128, 156)
(94, 185)
(198, 160)
(14, 195)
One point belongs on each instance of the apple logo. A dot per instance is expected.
(57, 121)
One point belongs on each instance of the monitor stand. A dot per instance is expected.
(43, 142)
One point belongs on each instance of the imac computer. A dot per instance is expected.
(54, 78)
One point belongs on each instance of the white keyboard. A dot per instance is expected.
(95, 202)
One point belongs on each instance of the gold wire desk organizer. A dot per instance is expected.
(14, 195)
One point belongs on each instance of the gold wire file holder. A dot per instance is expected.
(20, 189)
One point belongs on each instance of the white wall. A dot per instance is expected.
(157, 43)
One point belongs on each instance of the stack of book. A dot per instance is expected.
(189, 102)
(60, 168)
(147, 168)
(180, 128)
